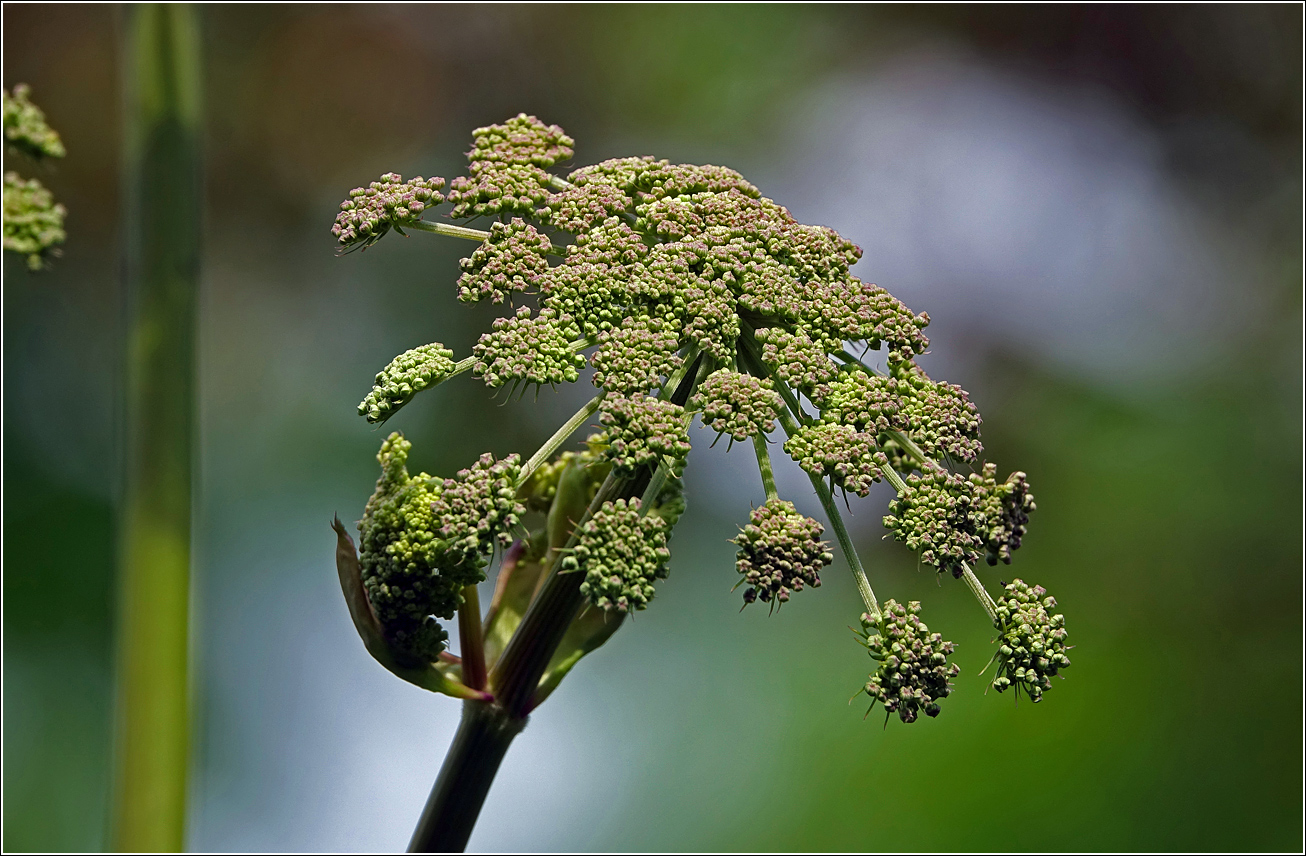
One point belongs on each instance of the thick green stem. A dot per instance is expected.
(483, 737)
(764, 466)
(162, 123)
(909, 446)
(560, 436)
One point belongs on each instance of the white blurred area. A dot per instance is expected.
(1024, 215)
(1041, 217)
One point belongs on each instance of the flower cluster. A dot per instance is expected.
(507, 167)
(423, 539)
(33, 221)
(846, 456)
(535, 350)
(621, 552)
(1031, 643)
(950, 519)
(1002, 512)
(914, 672)
(513, 258)
(26, 129)
(636, 355)
(408, 374)
(642, 430)
(478, 508)
(694, 293)
(739, 405)
(390, 202)
(780, 552)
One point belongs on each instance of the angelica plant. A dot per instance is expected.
(33, 220)
(689, 293)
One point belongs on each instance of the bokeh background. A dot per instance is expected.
(1099, 206)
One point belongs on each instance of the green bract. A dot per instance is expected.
(689, 293)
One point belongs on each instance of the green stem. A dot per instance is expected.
(655, 485)
(909, 446)
(791, 427)
(470, 638)
(852, 360)
(892, 477)
(162, 124)
(483, 737)
(764, 465)
(447, 229)
(981, 594)
(845, 540)
(560, 436)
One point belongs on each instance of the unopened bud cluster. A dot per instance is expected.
(25, 126)
(780, 552)
(914, 672)
(405, 376)
(737, 404)
(423, 539)
(1031, 640)
(622, 553)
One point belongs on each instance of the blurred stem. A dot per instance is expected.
(487, 728)
(764, 466)
(152, 740)
(470, 640)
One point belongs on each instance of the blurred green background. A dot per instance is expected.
(1100, 208)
